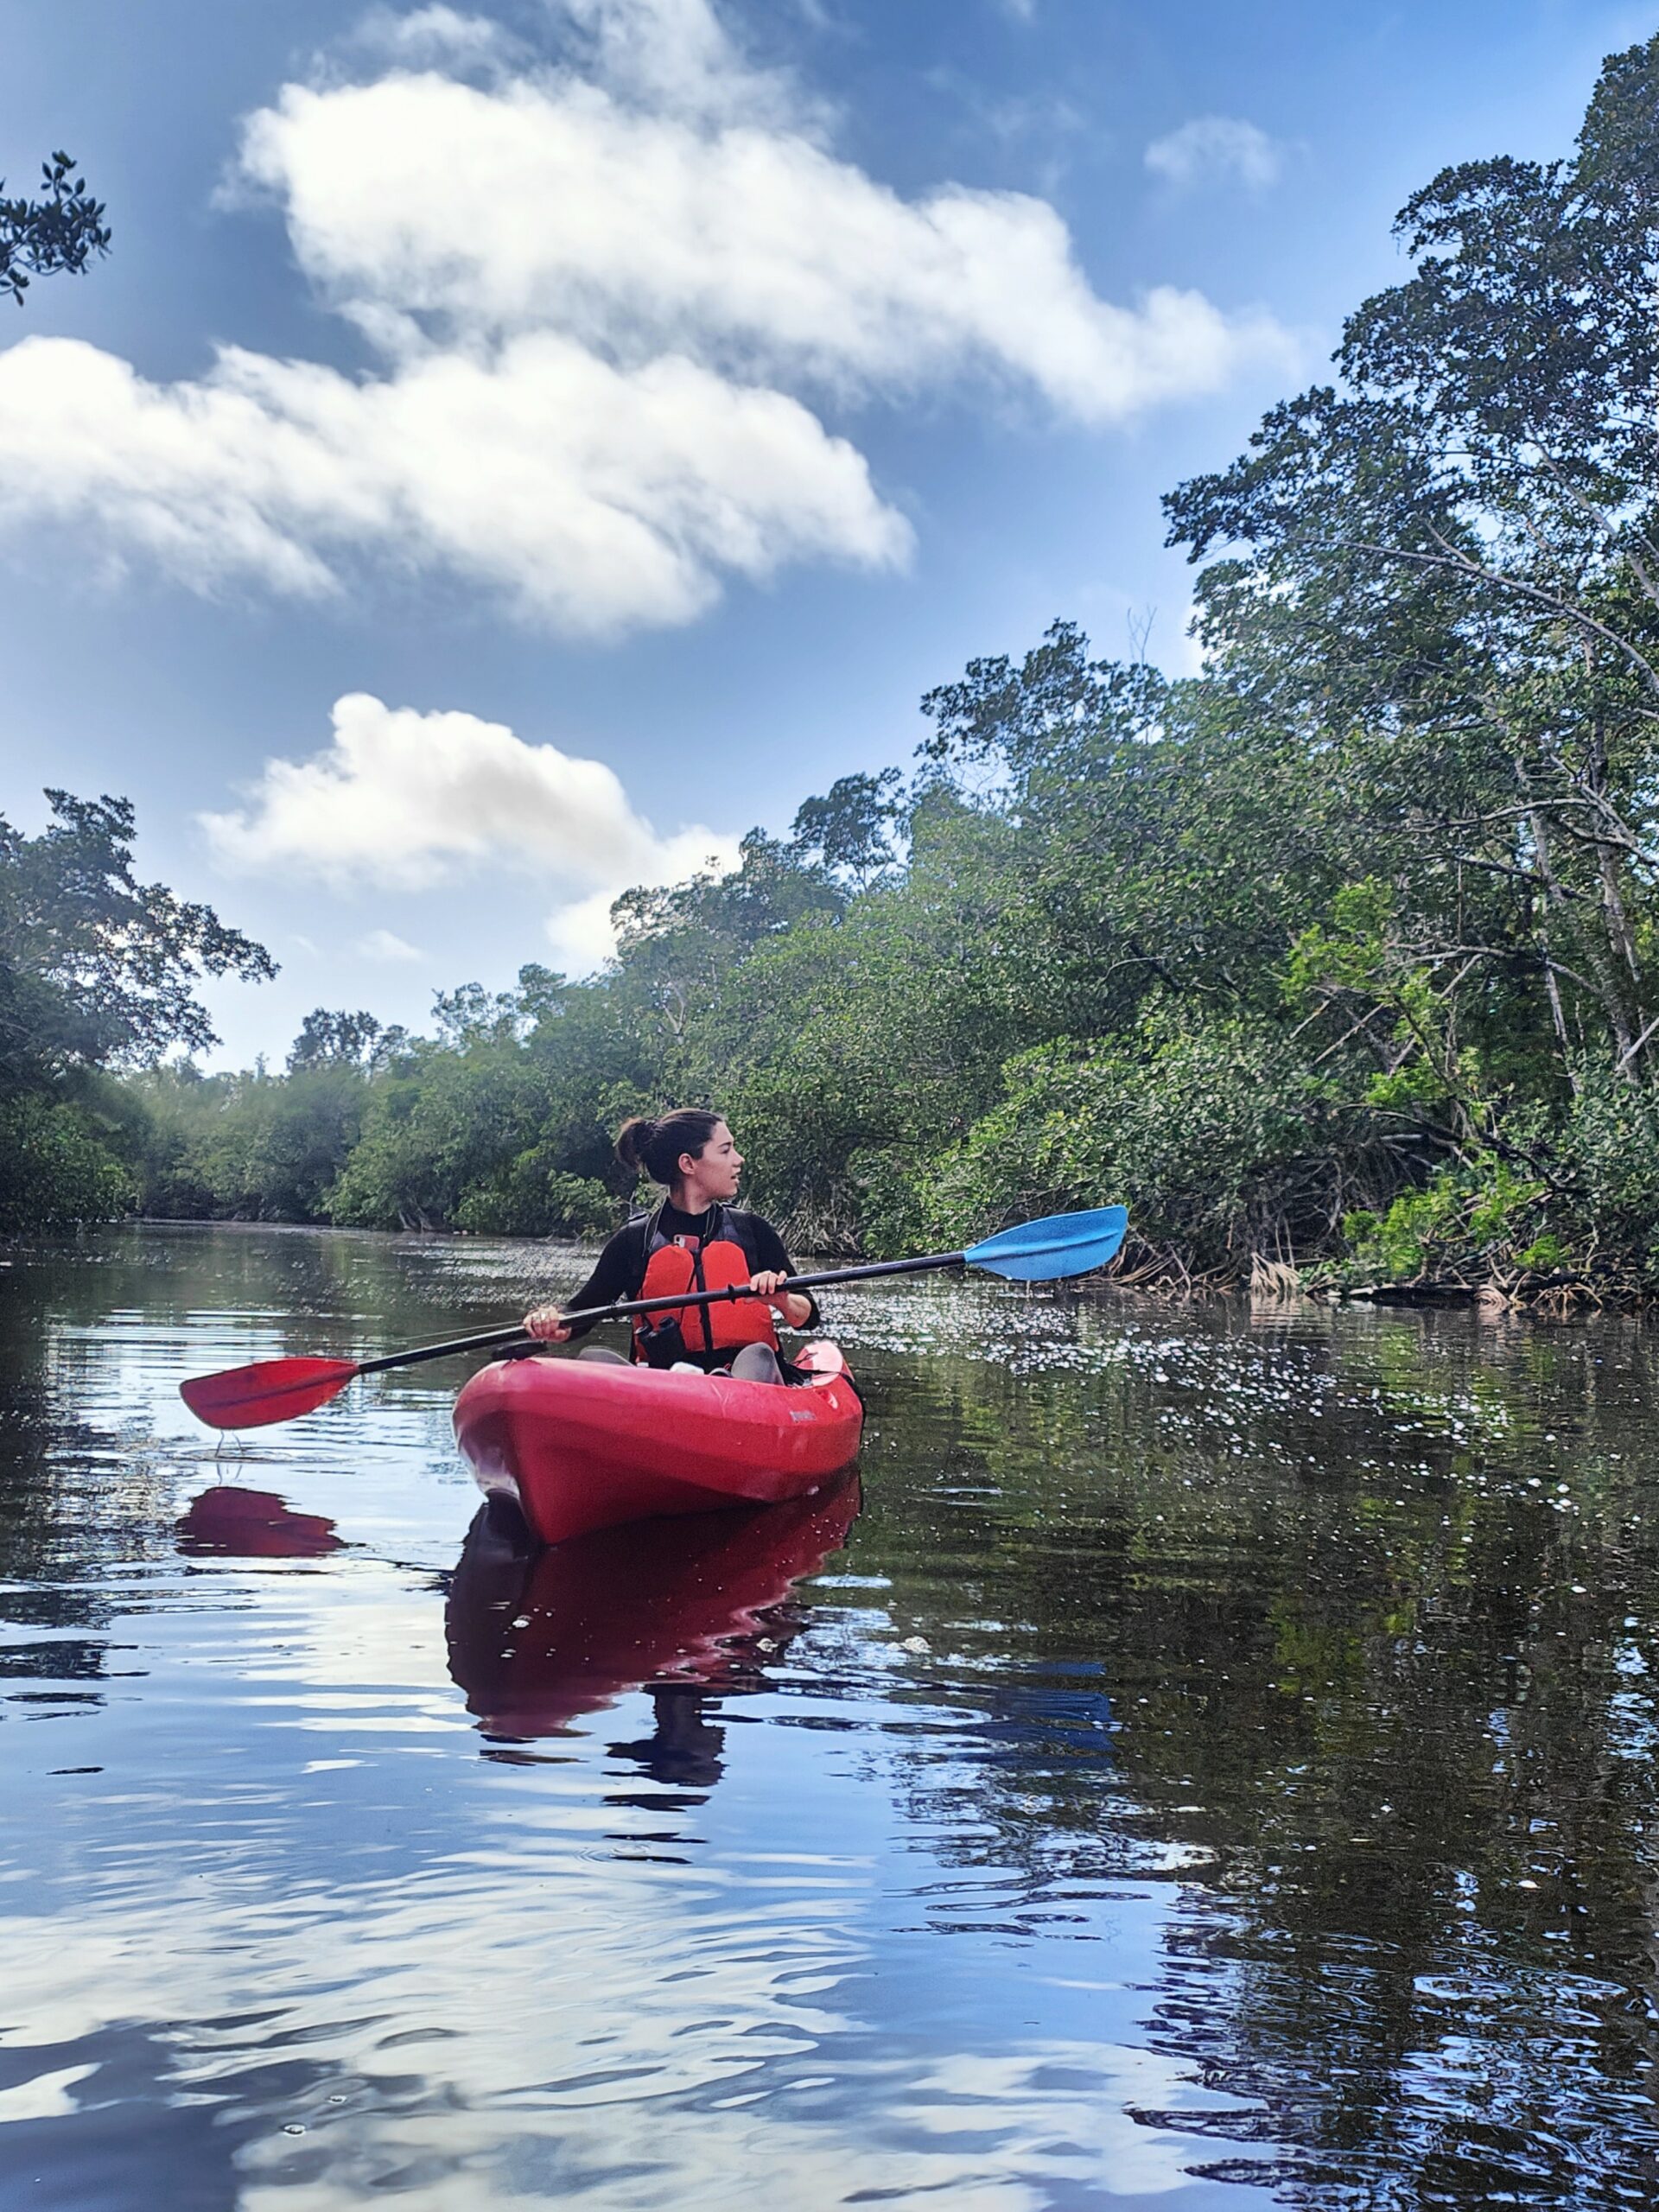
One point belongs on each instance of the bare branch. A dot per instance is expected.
(1462, 565)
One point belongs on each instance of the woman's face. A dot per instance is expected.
(715, 1171)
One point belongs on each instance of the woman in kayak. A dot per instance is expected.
(695, 1240)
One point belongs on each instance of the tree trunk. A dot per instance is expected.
(1595, 947)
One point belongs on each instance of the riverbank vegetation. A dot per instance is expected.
(1338, 959)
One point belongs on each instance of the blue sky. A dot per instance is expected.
(629, 407)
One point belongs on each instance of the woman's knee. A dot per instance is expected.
(757, 1364)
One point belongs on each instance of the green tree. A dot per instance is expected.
(498, 1123)
(98, 970)
(333, 1039)
(1446, 565)
(850, 831)
(60, 231)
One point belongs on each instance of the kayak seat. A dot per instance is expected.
(752, 1363)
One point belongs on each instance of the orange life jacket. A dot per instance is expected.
(716, 1264)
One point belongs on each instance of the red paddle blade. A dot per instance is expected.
(270, 1390)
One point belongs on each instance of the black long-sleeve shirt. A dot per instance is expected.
(620, 1268)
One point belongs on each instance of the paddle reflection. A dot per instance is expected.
(240, 1523)
(683, 1607)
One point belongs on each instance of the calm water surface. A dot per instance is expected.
(1214, 1768)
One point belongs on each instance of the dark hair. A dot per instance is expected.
(655, 1147)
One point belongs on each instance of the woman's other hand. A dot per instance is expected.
(774, 1289)
(546, 1325)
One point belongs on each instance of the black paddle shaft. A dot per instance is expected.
(624, 1307)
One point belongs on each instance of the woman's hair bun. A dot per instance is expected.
(653, 1147)
(632, 1139)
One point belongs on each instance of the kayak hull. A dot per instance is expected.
(582, 1443)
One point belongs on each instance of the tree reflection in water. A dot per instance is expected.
(1375, 1597)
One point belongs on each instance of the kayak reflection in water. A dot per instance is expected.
(697, 1239)
(537, 1637)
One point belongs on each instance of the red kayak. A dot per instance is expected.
(580, 1444)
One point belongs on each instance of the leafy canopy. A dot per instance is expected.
(97, 969)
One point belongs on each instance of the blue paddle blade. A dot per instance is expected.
(1043, 1251)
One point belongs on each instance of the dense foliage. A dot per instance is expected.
(97, 972)
(1338, 957)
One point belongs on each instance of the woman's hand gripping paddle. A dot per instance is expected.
(282, 1389)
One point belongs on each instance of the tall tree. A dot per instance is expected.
(850, 830)
(328, 1039)
(96, 968)
(1445, 569)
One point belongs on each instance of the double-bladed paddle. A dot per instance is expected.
(282, 1389)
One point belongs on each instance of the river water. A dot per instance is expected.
(1214, 1768)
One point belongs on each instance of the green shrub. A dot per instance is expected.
(56, 1170)
(1212, 1133)
(1606, 1150)
(532, 1198)
(1470, 1220)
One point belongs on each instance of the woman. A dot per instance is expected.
(695, 1240)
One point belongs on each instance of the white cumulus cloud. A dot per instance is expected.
(419, 206)
(387, 945)
(408, 801)
(593, 498)
(1222, 146)
(609, 303)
